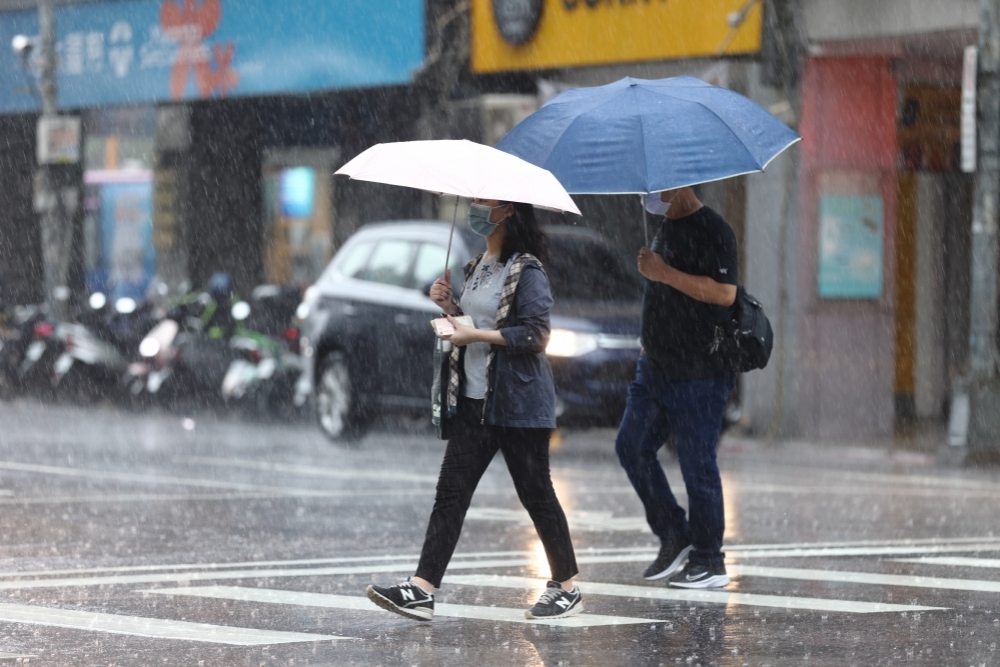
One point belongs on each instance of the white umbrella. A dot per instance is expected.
(463, 169)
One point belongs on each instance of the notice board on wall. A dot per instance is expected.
(851, 229)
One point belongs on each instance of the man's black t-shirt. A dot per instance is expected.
(677, 331)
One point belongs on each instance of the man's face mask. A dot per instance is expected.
(654, 205)
(479, 219)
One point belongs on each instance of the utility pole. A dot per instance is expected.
(57, 192)
(983, 397)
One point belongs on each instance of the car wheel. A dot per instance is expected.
(339, 415)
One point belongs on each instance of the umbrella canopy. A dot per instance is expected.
(461, 168)
(641, 136)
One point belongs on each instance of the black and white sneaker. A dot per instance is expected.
(670, 559)
(696, 575)
(556, 603)
(406, 599)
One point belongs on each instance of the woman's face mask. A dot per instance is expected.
(479, 219)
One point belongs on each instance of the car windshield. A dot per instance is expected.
(585, 269)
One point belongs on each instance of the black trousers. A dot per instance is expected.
(468, 454)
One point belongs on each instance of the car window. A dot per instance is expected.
(588, 270)
(354, 264)
(429, 266)
(390, 263)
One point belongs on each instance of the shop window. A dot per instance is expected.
(298, 204)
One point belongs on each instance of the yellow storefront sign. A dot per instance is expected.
(510, 35)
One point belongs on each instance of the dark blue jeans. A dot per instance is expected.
(692, 413)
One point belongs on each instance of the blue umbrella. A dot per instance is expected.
(642, 136)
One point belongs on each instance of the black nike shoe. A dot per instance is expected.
(696, 575)
(406, 599)
(669, 560)
(556, 603)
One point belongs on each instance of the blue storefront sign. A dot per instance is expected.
(140, 51)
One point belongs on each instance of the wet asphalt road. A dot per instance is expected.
(155, 539)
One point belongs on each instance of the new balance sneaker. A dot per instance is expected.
(696, 575)
(556, 603)
(669, 560)
(406, 599)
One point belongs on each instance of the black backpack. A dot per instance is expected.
(744, 342)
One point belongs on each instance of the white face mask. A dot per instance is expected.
(654, 205)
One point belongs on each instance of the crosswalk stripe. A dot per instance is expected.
(326, 600)
(152, 627)
(954, 561)
(867, 578)
(184, 577)
(634, 554)
(486, 563)
(681, 595)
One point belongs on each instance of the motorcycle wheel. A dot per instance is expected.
(340, 416)
(77, 387)
(132, 394)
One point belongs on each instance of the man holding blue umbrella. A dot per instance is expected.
(680, 389)
(637, 136)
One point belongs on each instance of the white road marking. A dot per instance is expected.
(954, 561)
(169, 497)
(152, 627)
(145, 478)
(15, 656)
(867, 578)
(713, 596)
(184, 577)
(635, 553)
(326, 600)
(831, 552)
(314, 471)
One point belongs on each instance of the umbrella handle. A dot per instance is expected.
(454, 218)
(645, 221)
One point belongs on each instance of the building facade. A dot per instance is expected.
(211, 130)
(857, 239)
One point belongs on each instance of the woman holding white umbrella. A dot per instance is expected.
(501, 398)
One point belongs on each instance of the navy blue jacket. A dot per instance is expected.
(522, 392)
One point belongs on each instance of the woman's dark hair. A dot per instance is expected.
(524, 235)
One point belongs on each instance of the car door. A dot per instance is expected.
(416, 349)
(386, 303)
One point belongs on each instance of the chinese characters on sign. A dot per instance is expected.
(142, 51)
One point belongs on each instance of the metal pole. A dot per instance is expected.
(983, 297)
(54, 227)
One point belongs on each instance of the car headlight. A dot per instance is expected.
(565, 343)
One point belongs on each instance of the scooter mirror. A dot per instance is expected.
(97, 300)
(240, 311)
(125, 305)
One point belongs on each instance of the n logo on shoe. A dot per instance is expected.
(407, 594)
(564, 603)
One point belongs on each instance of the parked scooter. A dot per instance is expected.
(184, 358)
(22, 335)
(262, 378)
(97, 347)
